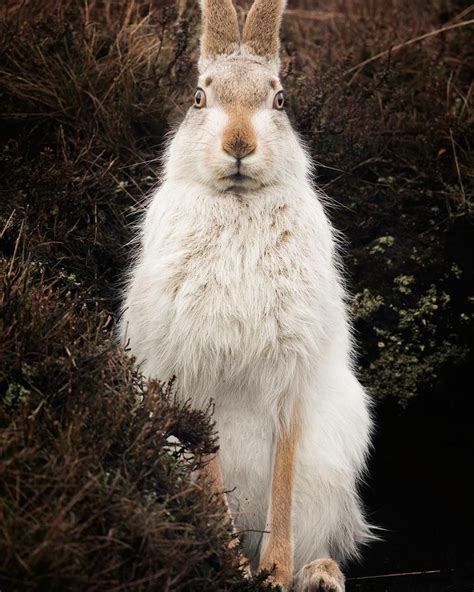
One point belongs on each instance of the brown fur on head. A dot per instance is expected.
(238, 118)
(221, 35)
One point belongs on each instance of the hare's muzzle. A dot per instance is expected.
(239, 138)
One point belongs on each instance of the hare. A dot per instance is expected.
(236, 290)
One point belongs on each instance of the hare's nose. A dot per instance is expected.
(239, 138)
(238, 147)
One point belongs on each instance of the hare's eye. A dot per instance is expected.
(199, 98)
(279, 100)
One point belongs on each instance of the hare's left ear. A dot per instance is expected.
(220, 30)
(261, 34)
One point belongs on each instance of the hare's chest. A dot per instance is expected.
(241, 288)
(229, 296)
(230, 270)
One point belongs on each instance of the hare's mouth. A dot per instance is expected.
(238, 182)
(238, 178)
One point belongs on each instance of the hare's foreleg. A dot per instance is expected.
(322, 575)
(211, 476)
(278, 550)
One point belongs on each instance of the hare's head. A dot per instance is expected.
(237, 136)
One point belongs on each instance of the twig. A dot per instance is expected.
(394, 48)
(398, 575)
(312, 15)
(458, 170)
(15, 250)
(7, 223)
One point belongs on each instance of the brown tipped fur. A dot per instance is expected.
(220, 28)
(262, 28)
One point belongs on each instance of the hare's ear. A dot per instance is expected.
(220, 30)
(261, 34)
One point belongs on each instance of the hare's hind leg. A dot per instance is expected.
(321, 575)
(328, 517)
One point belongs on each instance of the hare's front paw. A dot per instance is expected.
(322, 575)
(279, 577)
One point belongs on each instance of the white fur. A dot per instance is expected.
(237, 292)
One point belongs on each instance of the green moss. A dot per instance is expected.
(381, 244)
(414, 336)
(15, 394)
(364, 304)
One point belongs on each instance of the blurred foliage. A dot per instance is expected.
(93, 497)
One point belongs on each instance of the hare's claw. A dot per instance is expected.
(322, 575)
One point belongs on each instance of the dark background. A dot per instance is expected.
(420, 490)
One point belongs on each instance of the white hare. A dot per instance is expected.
(236, 291)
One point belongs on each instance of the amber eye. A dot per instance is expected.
(199, 98)
(279, 100)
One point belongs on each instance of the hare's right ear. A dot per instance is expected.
(261, 35)
(220, 30)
